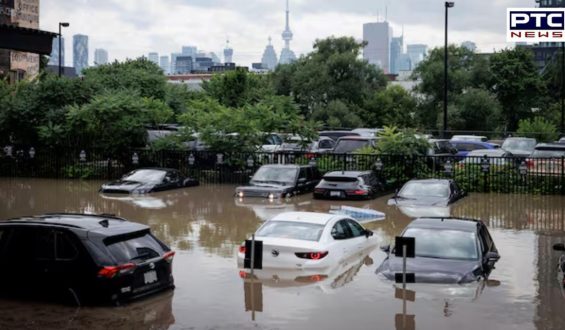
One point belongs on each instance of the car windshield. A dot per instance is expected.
(293, 230)
(347, 146)
(444, 244)
(526, 145)
(137, 247)
(548, 153)
(268, 174)
(145, 176)
(421, 189)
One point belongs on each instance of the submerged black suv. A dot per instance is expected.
(278, 181)
(83, 258)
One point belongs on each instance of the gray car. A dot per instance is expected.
(448, 250)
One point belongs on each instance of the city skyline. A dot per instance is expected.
(140, 29)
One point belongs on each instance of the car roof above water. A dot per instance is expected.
(461, 224)
(346, 174)
(308, 217)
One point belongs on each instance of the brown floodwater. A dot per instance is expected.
(205, 225)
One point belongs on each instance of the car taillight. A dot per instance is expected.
(319, 190)
(530, 163)
(112, 271)
(242, 249)
(311, 255)
(356, 192)
(168, 256)
(242, 274)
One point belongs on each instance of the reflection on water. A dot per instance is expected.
(206, 225)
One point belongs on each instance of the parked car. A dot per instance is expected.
(441, 151)
(279, 181)
(429, 192)
(349, 144)
(348, 185)
(148, 180)
(307, 240)
(272, 143)
(474, 138)
(370, 132)
(495, 157)
(561, 140)
(334, 135)
(448, 250)
(547, 159)
(464, 147)
(85, 258)
(519, 146)
(295, 143)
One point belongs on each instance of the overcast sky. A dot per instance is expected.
(131, 28)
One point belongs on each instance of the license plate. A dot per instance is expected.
(335, 193)
(150, 277)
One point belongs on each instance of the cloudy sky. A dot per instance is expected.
(131, 28)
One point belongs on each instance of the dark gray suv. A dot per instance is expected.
(84, 258)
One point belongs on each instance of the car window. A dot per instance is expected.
(326, 144)
(3, 239)
(172, 176)
(145, 176)
(444, 243)
(340, 230)
(486, 240)
(310, 174)
(302, 174)
(65, 248)
(44, 244)
(356, 229)
(290, 229)
(137, 247)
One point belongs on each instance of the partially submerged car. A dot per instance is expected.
(279, 181)
(448, 250)
(307, 240)
(148, 180)
(85, 258)
(348, 185)
(428, 192)
(519, 146)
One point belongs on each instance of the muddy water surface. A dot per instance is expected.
(205, 225)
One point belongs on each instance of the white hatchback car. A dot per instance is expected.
(306, 240)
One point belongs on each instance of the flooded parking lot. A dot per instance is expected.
(205, 225)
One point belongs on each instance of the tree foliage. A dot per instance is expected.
(538, 128)
(393, 106)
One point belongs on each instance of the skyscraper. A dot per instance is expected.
(54, 57)
(228, 53)
(80, 52)
(269, 59)
(287, 55)
(378, 37)
(183, 64)
(100, 56)
(165, 64)
(153, 57)
(417, 53)
(396, 50)
(174, 62)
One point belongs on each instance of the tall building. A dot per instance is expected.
(80, 52)
(191, 51)
(183, 64)
(378, 37)
(100, 56)
(54, 57)
(174, 62)
(203, 63)
(287, 55)
(269, 59)
(153, 57)
(396, 50)
(228, 53)
(165, 64)
(214, 58)
(417, 53)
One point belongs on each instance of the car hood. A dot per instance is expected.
(125, 186)
(421, 201)
(262, 190)
(431, 270)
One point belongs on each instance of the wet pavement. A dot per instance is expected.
(205, 225)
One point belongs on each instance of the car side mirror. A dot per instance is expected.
(368, 233)
(559, 247)
(385, 248)
(492, 256)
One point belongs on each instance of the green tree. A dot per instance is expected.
(336, 114)
(516, 84)
(475, 110)
(237, 88)
(393, 141)
(538, 128)
(393, 106)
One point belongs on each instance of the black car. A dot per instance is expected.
(147, 180)
(560, 264)
(429, 192)
(276, 181)
(348, 185)
(448, 250)
(85, 258)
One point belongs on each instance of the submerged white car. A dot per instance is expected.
(305, 240)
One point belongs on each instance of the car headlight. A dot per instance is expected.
(271, 196)
(240, 194)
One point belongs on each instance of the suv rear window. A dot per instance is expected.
(136, 247)
(340, 179)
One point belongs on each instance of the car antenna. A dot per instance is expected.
(104, 223)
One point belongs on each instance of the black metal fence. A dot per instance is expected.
(474, 174)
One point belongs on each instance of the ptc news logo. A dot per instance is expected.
(535, 25)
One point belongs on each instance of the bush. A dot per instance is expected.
(538, 128)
